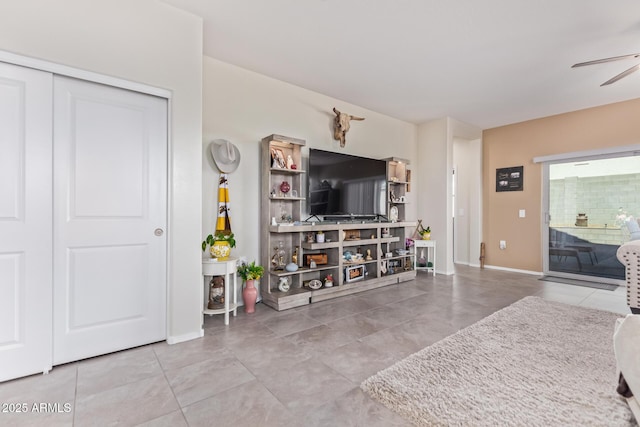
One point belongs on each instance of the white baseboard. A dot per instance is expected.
(185, 337)
(468, 264)
(514, 270)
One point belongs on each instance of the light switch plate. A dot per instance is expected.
(521, 214)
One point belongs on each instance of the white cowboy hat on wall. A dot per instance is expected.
(225, 155)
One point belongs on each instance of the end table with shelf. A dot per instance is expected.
(227, 268)
(430, 256)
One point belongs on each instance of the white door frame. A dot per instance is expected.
(64, 70)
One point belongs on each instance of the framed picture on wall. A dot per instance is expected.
(510, 179)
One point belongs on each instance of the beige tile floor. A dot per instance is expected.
(300, 367)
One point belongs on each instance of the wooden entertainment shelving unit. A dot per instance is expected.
(384, 241)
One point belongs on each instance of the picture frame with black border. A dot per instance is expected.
(510, 179)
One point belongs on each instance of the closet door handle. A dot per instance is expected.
(158, 232)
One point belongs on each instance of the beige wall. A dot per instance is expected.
(148, 42)
(244, 107)
(517, 144)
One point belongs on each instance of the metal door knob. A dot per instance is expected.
(158, 232)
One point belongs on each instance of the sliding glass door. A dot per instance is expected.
(593, 206)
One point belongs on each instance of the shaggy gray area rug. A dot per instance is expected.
(533, 363)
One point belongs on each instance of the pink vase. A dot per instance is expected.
(249, 296)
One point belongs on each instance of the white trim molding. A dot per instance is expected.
(633, 149)
(514, 270)
(186, 337)
(64, 70)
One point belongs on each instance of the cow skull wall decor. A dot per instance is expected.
(341, 125)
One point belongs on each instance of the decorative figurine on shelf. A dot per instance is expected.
(291, 267)
(277, 260)
(368, 257)
(294, 257)
(289, 162)
(328, 281)
(285, 216)
(285, 187)
(283, 284)
(312, 263)
(311, 238)
(216, 293)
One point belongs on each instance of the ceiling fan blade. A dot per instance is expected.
(623, 74)
(602, 61)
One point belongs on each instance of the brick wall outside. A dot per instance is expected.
(601, 198)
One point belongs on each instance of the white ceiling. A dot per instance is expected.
(487, 63)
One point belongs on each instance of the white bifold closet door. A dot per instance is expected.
(83, 213)
(25, 221)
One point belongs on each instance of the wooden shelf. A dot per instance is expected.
(286, 198)
(302, 270)
(288, 171)
(389, 239)
(361, 242)
(318, 246)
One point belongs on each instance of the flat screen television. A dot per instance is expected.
(342, 185)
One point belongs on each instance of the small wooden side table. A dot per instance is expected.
(212, 267)
(430, 246)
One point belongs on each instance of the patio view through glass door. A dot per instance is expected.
(593, 207)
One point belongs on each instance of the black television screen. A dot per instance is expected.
(342, 184)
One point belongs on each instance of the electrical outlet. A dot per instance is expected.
(503, 244)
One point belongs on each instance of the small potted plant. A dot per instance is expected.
(250, 273)
(220, 244)
(426, 233)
